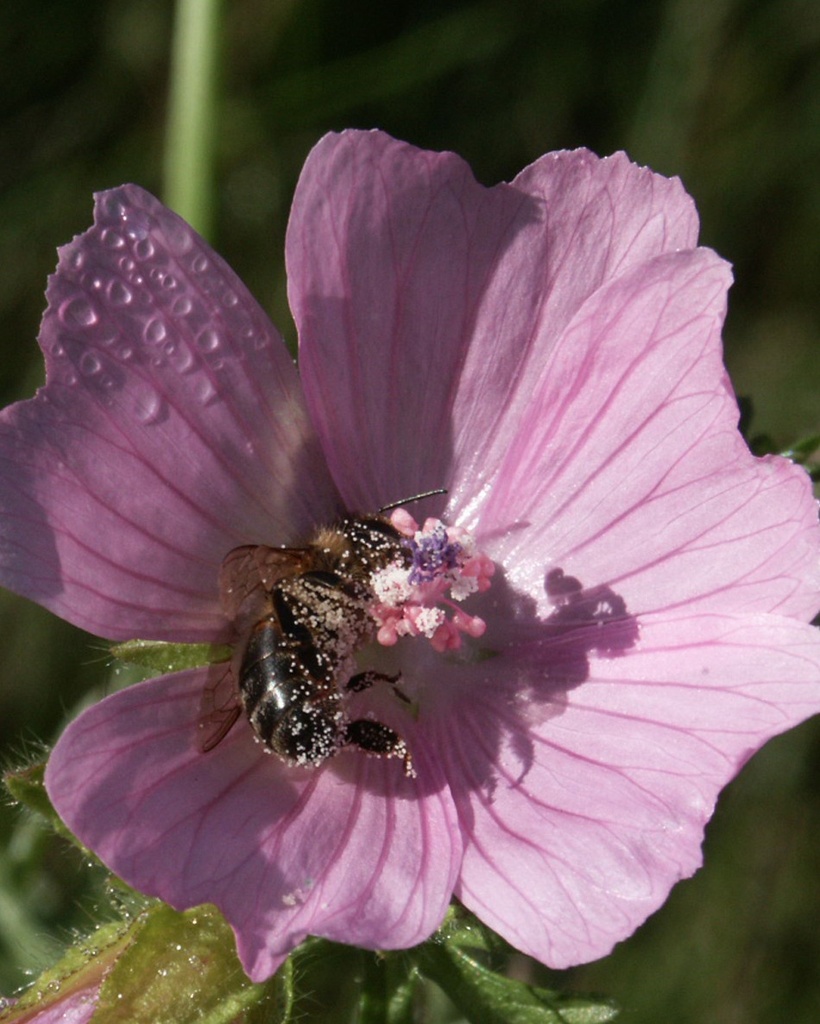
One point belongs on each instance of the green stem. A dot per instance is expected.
(189, 144)
(388, 982)
(373, 1002)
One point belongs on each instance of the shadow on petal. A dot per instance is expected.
(525, 669)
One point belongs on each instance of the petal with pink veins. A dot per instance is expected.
(549, 352)
(76, 1008)
(353, 851)
(595, 812)
(426, 303)
(628, 469)
(171, 428)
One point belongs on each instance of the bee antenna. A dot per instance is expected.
(415, 497)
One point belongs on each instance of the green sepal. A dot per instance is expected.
(400, 1005)
(458, 961)
(27, 787)
(802, 451)
(759, 443)
(183, 968)
(389, 982)
(159, 657)
(81, 969)
(159, 966)
(276, 1002)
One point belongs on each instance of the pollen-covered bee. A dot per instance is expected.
(301, 615)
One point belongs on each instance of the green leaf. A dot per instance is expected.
(183, 968)
(457, 961)
(160, 657)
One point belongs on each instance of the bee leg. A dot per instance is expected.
(364, 680)
(375, 738)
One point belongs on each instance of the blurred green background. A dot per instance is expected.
(724, 93)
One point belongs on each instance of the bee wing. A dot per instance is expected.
(219, 707)
(249, 573)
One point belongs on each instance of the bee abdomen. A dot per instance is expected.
(289, 695)
(307, 733)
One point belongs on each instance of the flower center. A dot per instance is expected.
(418, 596)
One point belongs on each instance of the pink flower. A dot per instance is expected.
(549, 352)
(75, 1007)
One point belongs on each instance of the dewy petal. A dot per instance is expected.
(76, 1008)
(597, 811)
(628, 469)
(426, 303)
(353, 851)
(171, 429)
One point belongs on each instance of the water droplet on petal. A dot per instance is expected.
(112, 239)
(111, 207)
(119, 293)
(229, 298)
(208, 340)
(90, 364)
(144, 249)
(148, 407)
(78, 312)
(154, 332)
(183, 360)
(179, 236)
(200, 264)
(137, 224)
(181, 306)
(76, 260)
(205, 392)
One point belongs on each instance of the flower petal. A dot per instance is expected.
(171, 429)
(76, 1008)
(597, 812)
(352, 851)
(426, 303)
(628, 469)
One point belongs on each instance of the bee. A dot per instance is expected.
(302, 614)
